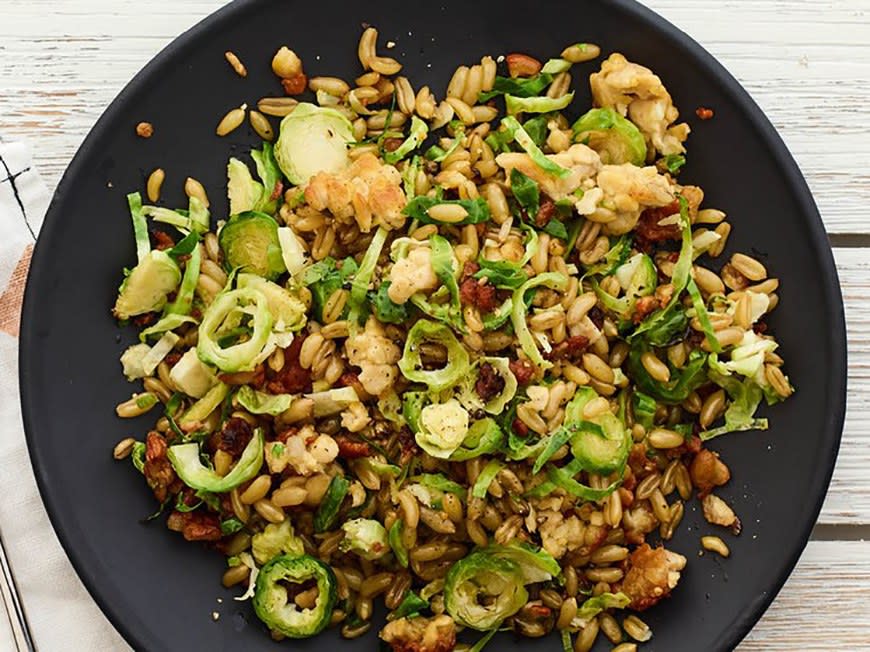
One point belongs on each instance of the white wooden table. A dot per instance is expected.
(806, 62)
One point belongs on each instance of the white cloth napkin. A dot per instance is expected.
(62, 615)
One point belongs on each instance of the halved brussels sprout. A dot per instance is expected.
(242, 189)
(262, 403)
(535, 565)
(147, 286)
(615, 139)
(250, 243)
(601, 443)
(313, 139)
(602, 450)
(442, 428)
(292, 252)
(273, 605)
(245, 311)
(191, 376)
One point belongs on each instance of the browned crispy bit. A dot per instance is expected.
(233, 437)
(293, 377)
(571, 349)
(522, 65)
(351, 449)
(195, 526)
(157, 469)
(144, 130)
(296, 84)
(708, 471)
(478, 293)
(649, 229)
(489, 383)
(420, 634)
(652, 574)
(523, 370)
(545, 212)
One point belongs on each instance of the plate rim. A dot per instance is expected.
(747, 108)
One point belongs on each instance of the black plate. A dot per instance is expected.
(159, 591)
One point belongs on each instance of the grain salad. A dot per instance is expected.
(460, 355)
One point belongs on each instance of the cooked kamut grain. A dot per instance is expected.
(778, 380)
(277, 106)
(231, 121)
(235, 575)
(256, 490)
(665, 439)
(269, 511)
(559, 87)
(136, 406)
(194, 188)
(154, 184)
(581, 52)
(123, 448)
(236, 63)
(261, 125)
(625, 647)
(749, 267)
(715, 544)
(286, 63)
(610, 627)
(655, 367)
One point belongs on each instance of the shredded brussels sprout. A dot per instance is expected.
(243, 308)
(411, 363)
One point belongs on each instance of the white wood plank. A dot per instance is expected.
(848, 500)
(823, 605)
(806, 63)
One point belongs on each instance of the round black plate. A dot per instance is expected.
(159, 591)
